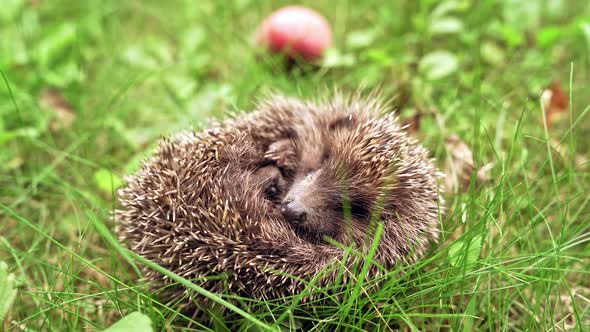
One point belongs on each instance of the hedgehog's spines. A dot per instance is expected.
(195, 209)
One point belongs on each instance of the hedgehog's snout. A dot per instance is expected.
(293, 211)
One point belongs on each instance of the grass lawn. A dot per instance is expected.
(88, 88)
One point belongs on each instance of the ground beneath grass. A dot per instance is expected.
(88, 87)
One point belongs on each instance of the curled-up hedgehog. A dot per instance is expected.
(246, 208)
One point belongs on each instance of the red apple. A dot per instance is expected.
(297, 32)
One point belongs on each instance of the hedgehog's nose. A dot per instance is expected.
(293, 212)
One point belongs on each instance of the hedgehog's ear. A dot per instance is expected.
(343, 122)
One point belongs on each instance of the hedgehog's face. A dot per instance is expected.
(327, 192)
(312, 205)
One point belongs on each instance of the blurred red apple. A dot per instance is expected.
(297, 32)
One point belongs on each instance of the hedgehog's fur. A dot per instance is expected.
(348, 157)
(201, 206)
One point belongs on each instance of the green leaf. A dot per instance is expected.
(181, 86)
(10, 9)
(465, 252)
(334, 58)
(380, 57)
(153, 54)
(548, 36)
(161, 50)
(512, 36)
(360, 38)
(506, 33)
(134, 322)
(52, 47)
(470, 313)
(438, 64)
(28, 132)
(107, 181)
(446, 7)
(585, 28)
(522, 15)
(192, 39)
(492, 54)
(209, 99)
(63, 74)
(137, 56)
(446, 25)
(7, 290)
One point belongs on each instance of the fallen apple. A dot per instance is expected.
(297, 32)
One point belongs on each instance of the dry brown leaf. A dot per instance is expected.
(460, 167)
(51, 100)
(412, 123)
(555, 102)
(483, 174)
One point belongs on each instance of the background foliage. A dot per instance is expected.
(88, 87)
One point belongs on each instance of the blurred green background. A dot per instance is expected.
(88, 87)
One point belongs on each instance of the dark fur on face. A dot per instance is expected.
(321, 189)
(319, 205)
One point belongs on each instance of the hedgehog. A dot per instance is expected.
(224, 207)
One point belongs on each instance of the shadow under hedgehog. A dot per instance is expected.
(254, 199)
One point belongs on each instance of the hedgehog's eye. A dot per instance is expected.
(272, 191)
(359, 210)
(270, 180)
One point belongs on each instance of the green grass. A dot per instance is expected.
(514, 252)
